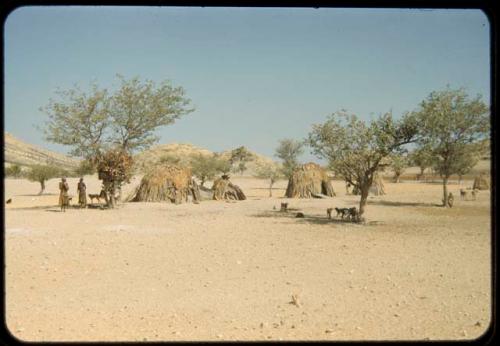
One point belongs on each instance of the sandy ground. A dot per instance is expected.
(227, 271)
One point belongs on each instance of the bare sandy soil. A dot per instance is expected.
(227, 271)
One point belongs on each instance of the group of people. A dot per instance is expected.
(64, 196)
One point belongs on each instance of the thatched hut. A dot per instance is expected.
(224, 190)
(169, 183)
(481, 182)
(307, 181)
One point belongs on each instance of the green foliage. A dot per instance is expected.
(13, 171)
(99, 121)
(355, 149)
(42, 173)
(422, 157)
(206, 167)
(239, 157)
(453, 127)
(271, 172)
(169, 159)
(289, 150)
(85, 168)
(399, 162)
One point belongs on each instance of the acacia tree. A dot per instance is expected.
(452, 126)
(398, 163)
(355, 149)
(422, 158)
(289, 150)
(240, 156)
(269, 171)
(42, 173)
(98, 124)
(206, 167)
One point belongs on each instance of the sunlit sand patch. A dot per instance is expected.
(19, 231)
(133, 229)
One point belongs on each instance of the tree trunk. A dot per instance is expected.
(445, 192)
(42, 187)
(271, 189)
(364, 198)
(202, 182)
(396, 178)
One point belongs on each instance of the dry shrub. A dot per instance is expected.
(481, 182)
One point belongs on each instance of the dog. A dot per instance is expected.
(329, 212)
(342, 212)
(353, 214)
(102, 194)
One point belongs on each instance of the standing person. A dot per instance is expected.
(82, 193)
(63, 194)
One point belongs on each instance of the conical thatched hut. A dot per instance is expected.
(169, 183)
(224, 190)
(308, 180)
(481, 182)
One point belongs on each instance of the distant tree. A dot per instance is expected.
(13, 171)
(452, 126)
(205, 167)
(97, 123)
(223, 165)
(85, 168)
(239, 157)
(289, 150)
(398, 163)
(42, 173)
(355, 149)
(422, 158)
(269, 171)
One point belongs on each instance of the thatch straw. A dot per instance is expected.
(481, 182)
(167, 183)
(307, 180)
(225, 190)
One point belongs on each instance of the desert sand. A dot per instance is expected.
(227, 271)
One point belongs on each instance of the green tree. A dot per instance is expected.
(289, 150)
(84, 168)
(355, 149)
(239, 157)
(422, 158)
(398, 163)
(205, 167)
(98, 122)
(269, 171)
(13, 171)
(223, 165)
(452, 126)
(42, 173)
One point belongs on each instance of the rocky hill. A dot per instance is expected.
(21, 153)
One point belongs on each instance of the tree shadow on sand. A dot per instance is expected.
(404, 204)
(37, 195)
(311, 219)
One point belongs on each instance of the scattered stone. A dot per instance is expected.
(478, 324)
(328, 331)
(464, 332)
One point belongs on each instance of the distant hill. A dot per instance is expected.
(21, 153)
(184, 151)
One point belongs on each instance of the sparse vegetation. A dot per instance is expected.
(13, 171)
(289, 150)
(271, 172)
(42, 173)
(355, 149)
(399, 162)
(207, 167)
(453, 128)
(239, 158)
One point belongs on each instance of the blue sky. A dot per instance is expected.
(254, 75)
